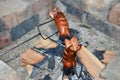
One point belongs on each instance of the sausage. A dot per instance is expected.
(61, 22)
(71, 45)
(69, 54)
(69, 59)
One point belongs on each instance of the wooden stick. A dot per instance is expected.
(31, 57)
(92, 64)
(41, 43)
(108, 56)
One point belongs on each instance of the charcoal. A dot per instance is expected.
(37, 67)
(47, 77)
(99, 54)
(34, 72)
(51, 63)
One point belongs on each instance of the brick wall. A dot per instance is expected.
(17, 17)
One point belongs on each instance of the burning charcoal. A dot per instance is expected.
(51, 63)
(47, 77)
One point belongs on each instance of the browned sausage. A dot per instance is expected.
(69, 55)
(69, 58)
(61, 22)
(71, 46)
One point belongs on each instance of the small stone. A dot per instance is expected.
(47, 77)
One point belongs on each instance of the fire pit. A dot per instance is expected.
(62, 59)
(51, 67)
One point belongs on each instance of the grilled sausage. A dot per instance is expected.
(71, 46)
(69, 59)
(69, 55)
(61, 22)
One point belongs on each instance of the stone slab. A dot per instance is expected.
(112, 70)
(7, 73)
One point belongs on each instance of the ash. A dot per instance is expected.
(51, 68)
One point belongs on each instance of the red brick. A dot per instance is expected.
(10, 20)
(114, 14)
(4, 39)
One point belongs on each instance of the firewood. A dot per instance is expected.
(92, 64)
(108, 56)
(41, 43)
(29, 69)
(30, 57)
